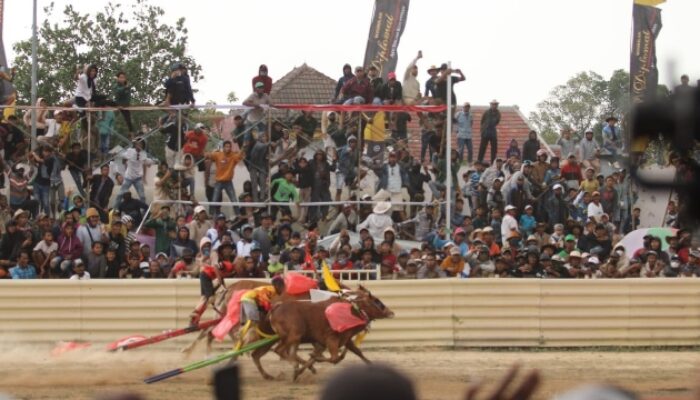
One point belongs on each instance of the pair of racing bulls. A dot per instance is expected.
(297, 320)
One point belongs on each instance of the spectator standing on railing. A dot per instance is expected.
(135, 175)
(264, 78)
(464, 121)
(489, 132)
(178, 89)
(256, 116)
(121, 91)
(411, 87)
(225, 161)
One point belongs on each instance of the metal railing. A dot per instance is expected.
(344, 274)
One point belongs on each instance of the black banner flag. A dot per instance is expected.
(388, 23)
(644, 76)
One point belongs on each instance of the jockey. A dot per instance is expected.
(256, 299)
(207, 276)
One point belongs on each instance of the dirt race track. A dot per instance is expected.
(31, 373)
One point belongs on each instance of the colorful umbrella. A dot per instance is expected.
(634, 240)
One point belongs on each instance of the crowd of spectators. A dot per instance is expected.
(527, 213)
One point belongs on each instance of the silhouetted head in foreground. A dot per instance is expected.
(368, 382)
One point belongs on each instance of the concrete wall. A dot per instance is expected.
(485, 312)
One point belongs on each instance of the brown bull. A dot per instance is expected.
(305, 322)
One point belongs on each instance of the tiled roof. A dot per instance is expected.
(303, 85)
(513, 126)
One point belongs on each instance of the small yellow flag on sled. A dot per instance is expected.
(328, 279)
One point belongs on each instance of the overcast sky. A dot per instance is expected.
(513, 50)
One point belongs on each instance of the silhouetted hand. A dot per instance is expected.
(522, 392)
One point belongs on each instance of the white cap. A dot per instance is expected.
(199, 125)
(510, 207)
(541, 152)
(558, 186)
(593, 260)
(199, 209)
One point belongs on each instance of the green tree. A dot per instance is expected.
(134, 41)
(231, 97)
(582, 103)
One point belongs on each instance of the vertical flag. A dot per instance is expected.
(644, 76)
(388, 23)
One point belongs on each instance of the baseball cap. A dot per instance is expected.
(200, 125)
(570, 237)
(510, 207)
(575, 254)
(558, 186)
(199, 209)
(455, 251)
(259, 85)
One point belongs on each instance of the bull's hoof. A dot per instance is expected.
(312, 369)
(268, 377)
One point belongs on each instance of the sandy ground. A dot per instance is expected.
(31, 373)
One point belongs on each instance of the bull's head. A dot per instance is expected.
(371, 305)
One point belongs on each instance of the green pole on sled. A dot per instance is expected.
(210, 361)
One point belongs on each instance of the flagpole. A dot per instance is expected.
(34, 74)
(448, 152)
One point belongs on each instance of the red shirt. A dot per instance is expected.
(195, 143)
(572, 172)
(266, 80)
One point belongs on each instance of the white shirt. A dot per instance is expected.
(376, 224)
(82, 89)
(595, 211)
(394, 179)
(243, 248)
(135, 161)
(508, 225)
(76, 277)
(256, 114)
(46, 249)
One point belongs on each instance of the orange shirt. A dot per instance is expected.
(225, 164)
(456, 267)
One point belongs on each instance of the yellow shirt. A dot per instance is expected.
(259, 294)
(375, 131)
(590, 186)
